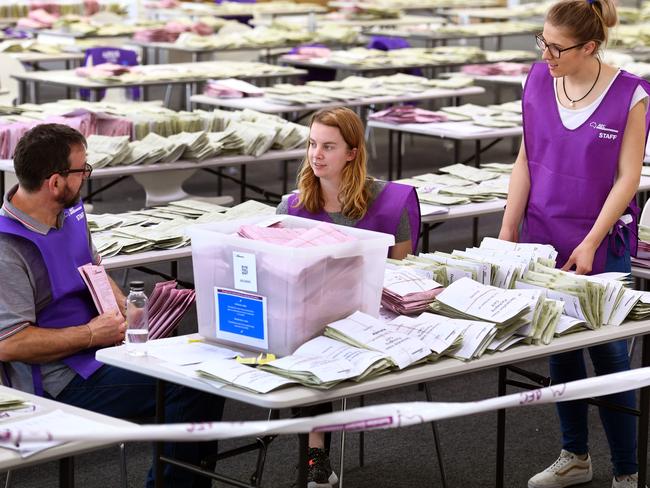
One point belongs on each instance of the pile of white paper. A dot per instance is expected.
(417, 56)
(162, 227)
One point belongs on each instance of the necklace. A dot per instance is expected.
(573, 102)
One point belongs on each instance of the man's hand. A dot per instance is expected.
(107, 329)
(582, 258)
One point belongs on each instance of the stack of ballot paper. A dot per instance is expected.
(407, 291)
(323, 362)
(162, 227)
(166, 308)
(362, 330)
(321, 235)
(469, 299)
(460, 184)
(595, 300)
(641, 309)
(356, 88)
(183, 71)
(98, 284)
(272, 36)
(11, 402)
(231, 372)
(151, 127)
(441, 55)
(501, 168)
(105, 150)
(496, 116)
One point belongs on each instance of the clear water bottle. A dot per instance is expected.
(137, 321)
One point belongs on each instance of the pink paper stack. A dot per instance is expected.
(102, 70)
(407, 114)
(38, 19)
(502, 68)
(321, 235)
(84, 121)
(410, 303)
(167, 305)
(171, 31)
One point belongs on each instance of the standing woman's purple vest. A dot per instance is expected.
(383, 215)
(63, 250)
(573, 171)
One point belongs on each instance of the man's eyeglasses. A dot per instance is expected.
(87, 170)
(553, 50)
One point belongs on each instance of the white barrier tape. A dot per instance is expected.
(385, 416)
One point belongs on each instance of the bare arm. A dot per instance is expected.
(625, 187)
(400, 250)
(40, 345)
(518, 190)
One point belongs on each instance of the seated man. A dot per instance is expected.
(49, 327)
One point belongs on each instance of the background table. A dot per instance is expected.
(163, 182)
(68, 79)
(262, 104)
(355, 70)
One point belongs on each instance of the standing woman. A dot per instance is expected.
(334, 187)
(574, 186)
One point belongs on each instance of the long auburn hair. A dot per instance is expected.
(354, 190)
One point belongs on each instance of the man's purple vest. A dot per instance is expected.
(63, 250)
(383, 215)
(573, 171)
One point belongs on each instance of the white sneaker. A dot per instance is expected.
(568, 470)
(626, 481)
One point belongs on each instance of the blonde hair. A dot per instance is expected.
(354, 191)
(584, 20)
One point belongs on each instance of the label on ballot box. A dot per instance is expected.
(245, 271)
(241, 317)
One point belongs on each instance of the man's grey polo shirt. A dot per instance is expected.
(22, 266)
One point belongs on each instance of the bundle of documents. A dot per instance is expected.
(462, 30)
(407, 114)
(509, 13)
(231, 372)
(98, 284)
(268, 37)
(436, 56)
(322, 234)
(183, 71)
(495, 116)
(503, 68)
(323, 362)
(355, 88)
(224, 130)
(162, 227)
(362, 330)
(592, 299)
(105, 150)
(166, 308)
(407, 291)
(11, 402)
(501, 168)
(443, 336)
(471, 300)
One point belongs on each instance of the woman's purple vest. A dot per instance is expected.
(572, 171)
(63, 250)
(384, 213)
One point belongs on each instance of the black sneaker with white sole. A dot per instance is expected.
(320, 473)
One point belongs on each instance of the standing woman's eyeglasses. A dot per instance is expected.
(87, 170)
(553, 50)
